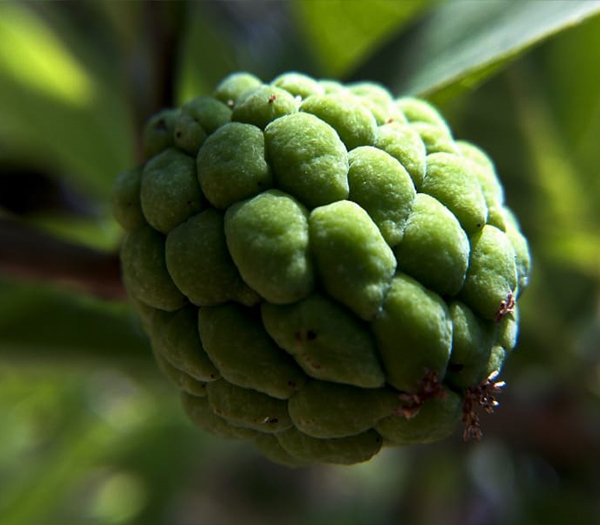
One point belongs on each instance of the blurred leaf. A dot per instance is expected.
(464, 42)
(572, 74)
(43, 323)
(69, 435)
(199, 70)
(101, 232)
(55, 107)
(341, 33)
(567, 211)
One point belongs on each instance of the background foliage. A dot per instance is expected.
(90, 433)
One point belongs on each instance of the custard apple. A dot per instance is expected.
(322, 269)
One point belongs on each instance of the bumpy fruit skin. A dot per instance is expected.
(322, 269)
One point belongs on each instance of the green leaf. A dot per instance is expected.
(464, 42)
(66, 111)
(567, 226)
(572, 80)
(45, 323)
(342, 33)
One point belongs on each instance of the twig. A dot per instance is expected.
(26, 253)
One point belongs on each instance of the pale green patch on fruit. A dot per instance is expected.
(200, 265)
(404, 144)
(175, 337)
(248, 408)
(241, 349)
(341, 451)
(169, 190)
(126, 205)
(188, 134)
(198, 409)
(298, 85)
(521, 247)
(308, 158)
(375, 98)
(354, 123)
(382, 187)
(158, 132)
(492, 273)
(496, 361)
(268, 240)
(264, 105)
(330, 410)
(352, 258)
(235, 86)
(472, 339)
(482, 167)
(490, 184)
(332, 86)
(418, 110)
(211, 114)
(199, 118)
(326, 340)
(434, 249)
(413, 333)
(145, 272)
(179, 379)
(436, 419)
(268, 445)
(508, 331)
(437, 139)
(450, 179)
(231, 164)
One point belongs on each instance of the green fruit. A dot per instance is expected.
(308, 158)
(435, 249)
(231, 165)
(169, 191)
(267, 237)
(325, 340)
(383, 188)
(321, 268)
(354, 123)
(126, 199)
(158, 132)
(436, 420)
(352, 258)
(413, 333)
(199, 118)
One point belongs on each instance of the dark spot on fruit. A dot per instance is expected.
(272, 99)
(178, 134)
(292, 384)
(273, 420)
(298, 336)
(161, 125)
(310, 335)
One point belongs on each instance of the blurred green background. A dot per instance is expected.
(89, 431)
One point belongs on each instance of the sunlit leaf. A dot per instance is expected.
(464, 42)
(573, 83)
(341, 33)
(70, 116)
(566, 210)
(38, 59)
